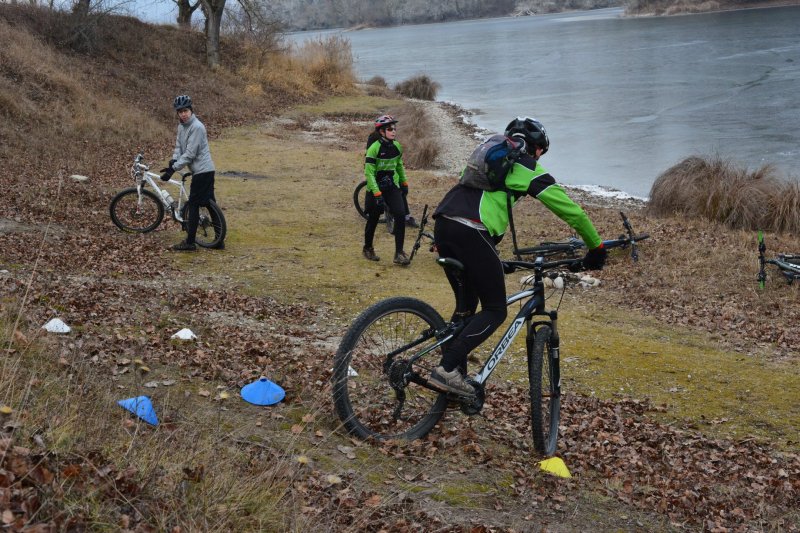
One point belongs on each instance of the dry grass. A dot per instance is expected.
(717, 190)
(322, 66)
(205, 467)
(420, 148)
(420, 87)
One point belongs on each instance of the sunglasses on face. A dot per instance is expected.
(391, 128)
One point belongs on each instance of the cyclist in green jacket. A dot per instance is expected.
(387, 185)
(469, 224)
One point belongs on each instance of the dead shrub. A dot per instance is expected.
(377, 86)
(420, 149)
(716, 190)
(329, 63)
(378, 81)
(420, 87)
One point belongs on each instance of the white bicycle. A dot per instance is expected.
(141, 210)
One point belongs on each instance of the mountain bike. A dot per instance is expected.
(381, 387)
(571, 245)
(788, 264)
(141, 210)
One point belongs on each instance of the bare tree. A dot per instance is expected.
(213, 10)
(185, 11)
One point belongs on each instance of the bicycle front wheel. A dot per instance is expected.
(372, 393)
(545, 393)
(136, 213)
(211, 225)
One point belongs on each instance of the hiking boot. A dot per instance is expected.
(410, 222)
(400, 258)
(451, 381)
(184, 246)
(369, 253)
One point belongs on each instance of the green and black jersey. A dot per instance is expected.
(527, 176)
(384, 162)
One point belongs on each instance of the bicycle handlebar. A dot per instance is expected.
(512, 266)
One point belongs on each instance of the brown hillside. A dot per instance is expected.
(88, 111)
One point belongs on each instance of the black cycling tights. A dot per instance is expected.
(484, 281)
(200, 192)
(394, 199)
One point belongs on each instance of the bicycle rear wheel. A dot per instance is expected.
(371, 391)
(545, 394)
(359, 200)
(211, 226)
(134, 213)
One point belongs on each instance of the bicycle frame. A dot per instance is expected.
(143, 177)
(572, 244)
(535, 306)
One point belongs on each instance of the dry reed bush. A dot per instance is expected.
(420, 87)
(377, 86)
(320, 66)
(716, 190)
(329, 63)
(378, 81)
(420, 149)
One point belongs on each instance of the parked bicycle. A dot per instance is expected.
(141, 210)
(571, 245)
(788, 264)
(380, 378)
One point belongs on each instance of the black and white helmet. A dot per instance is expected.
(182, 101)
(531, 131)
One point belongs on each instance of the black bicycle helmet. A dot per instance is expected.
(384, 120)
(182, 101)
(531, 131)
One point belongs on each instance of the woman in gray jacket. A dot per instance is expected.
(191, 149)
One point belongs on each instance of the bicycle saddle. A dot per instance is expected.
(449, 262)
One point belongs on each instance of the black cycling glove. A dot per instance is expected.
(595, 258)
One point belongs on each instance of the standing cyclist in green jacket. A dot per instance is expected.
(387, 185)
(469, 224)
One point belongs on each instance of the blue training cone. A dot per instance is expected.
(141, 407)
(263, 392)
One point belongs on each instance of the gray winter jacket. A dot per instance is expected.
(191, 147)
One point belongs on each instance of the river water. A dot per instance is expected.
(622, 99)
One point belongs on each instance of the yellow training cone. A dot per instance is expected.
(556, 466)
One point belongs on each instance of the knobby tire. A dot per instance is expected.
(211, 228)
(544, 394)
(363, 396)
(359, 200)
(133, 216)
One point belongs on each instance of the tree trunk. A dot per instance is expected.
(81, 8)
(185, 12)
(213, 9)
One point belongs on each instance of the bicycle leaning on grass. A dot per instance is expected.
(788, 264)
(141, 210)
(571, 245)
(381, 388)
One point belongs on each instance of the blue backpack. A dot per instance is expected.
(490, 162)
